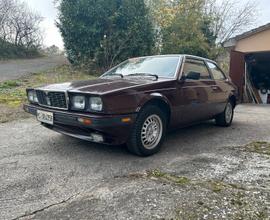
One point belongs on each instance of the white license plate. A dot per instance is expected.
(45, 117)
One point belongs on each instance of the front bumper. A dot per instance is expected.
(113, 129)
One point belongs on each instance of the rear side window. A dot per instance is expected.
(216, 72)
(198, 66)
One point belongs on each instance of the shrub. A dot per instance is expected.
(105, 32)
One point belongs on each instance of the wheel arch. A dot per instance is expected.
(159, 100)
(233, 99)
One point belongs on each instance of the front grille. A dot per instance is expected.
(52, 99)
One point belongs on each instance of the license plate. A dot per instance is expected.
(45, 117)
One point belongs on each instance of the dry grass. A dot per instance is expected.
(259, 147)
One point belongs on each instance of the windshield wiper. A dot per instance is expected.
(115, 74)
(144, 74)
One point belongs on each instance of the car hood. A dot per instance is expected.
(98, 86)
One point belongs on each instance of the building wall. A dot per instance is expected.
(256, 43)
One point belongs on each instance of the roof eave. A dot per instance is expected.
(232, 41)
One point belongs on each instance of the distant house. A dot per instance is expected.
(250, 64)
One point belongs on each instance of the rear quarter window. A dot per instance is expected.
(216, 72)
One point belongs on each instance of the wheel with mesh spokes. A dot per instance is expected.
(148, 132)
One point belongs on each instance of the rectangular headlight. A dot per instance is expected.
(96, 104)
(32, 96)
(78, 102)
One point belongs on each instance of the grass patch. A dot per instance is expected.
(9, 84)
(13, 92)
(228, 205)
(213, 185)
(216, 198)
(258, 147)
(216, 186)
(180, 180)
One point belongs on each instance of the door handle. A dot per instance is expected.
(215, 88)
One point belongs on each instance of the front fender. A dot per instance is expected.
(155, 96)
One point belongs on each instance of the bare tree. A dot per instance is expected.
(231, 17)
(6, 8)
(228, 17)
(26, 27)
(19, 25)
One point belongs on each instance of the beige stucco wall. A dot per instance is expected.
(256, 43)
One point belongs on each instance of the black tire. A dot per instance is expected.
(135, 143)
(223, 120)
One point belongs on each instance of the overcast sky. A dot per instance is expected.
(52, 36)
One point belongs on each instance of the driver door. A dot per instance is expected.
(195, 94)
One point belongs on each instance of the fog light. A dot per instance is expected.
(85, 121)
(97, 138)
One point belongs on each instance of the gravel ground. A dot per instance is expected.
(202, 172)
(14, 69)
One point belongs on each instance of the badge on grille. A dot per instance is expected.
(48, 101)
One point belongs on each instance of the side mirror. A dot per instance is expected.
(182, 79)
(193, 76)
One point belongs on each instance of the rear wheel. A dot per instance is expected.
(225, 118)
(149, 131)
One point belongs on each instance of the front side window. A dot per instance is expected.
(216, 72)
(162, 66)
(193, 66)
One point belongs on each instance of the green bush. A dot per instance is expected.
(105, 32)
(9, 51)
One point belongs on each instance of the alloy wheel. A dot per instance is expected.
(151, 132)
(228, 113)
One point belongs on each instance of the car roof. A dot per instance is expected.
(182, 55)
(197, 57)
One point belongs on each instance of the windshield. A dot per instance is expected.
(162, 66)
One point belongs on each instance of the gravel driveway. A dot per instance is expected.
(13, 69)
(202, 172)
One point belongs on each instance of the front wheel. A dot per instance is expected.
(225, 118)
(148, 132)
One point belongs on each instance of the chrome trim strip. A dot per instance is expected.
(197, 86)
(98, 84)
(182, 68)
(81, 137)
(178, 66)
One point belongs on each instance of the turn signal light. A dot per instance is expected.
(126, 120)
(85, 121)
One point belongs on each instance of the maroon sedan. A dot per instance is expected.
(136, 102)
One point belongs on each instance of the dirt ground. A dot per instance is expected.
(202, 172)
(14, 69)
